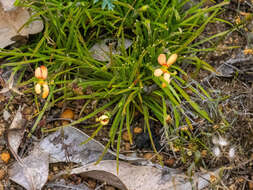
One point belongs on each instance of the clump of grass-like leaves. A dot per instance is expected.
(127, 85)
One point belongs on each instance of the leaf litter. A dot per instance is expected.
(64, 145)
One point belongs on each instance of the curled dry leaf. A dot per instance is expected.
(132, 177)
(13, 23)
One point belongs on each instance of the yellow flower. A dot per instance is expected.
(104, 119)
(41, 72)
(45, 88)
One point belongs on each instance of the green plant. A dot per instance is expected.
(125, 86)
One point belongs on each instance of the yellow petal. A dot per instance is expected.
(172, 59)
(41, 72)
(162, 59)
(37, 88)
(166, 77)
(45, 90)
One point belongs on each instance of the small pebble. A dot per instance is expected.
(55, 168)
(127, 146)
(251, 184)
(138, 130)
(1, 186)
(2, 173)
(2, 98)
(5, 156)
(148, 155)
(125, 136)
(67, 114)
(27, 110)
(6, 115)
(92, 183)
(203, 153)
(2, 129)
(169, 162)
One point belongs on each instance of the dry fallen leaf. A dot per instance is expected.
(16, 131)
(32, 171)
(13, 23)
(65, 146)
(101, 50)
(8, 4)
(132, 177)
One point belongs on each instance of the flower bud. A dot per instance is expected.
(172, 59)
(162, 59)
(164, 85)
(41, 72)
(45, 90)
(158, 72)
(103, 119)
(37, 88)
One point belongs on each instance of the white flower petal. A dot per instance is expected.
(216, 151)
(231, 152)
(222, 141)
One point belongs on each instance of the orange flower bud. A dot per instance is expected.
(41, 72)
(162, 59)
(158, 72)
(37, 88)
(45, 90)
(164, 85)
(172, 59)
